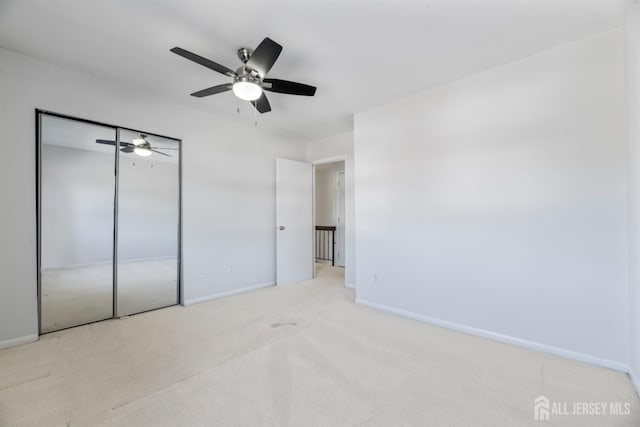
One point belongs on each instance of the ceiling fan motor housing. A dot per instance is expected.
(244, 54)
(245, 74)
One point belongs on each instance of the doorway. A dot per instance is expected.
(109, 221)
(303, 204)
(329, 214)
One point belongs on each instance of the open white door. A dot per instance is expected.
(294, 217)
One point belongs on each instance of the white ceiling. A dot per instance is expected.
(359, 54)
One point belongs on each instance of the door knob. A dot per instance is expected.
(281, 227)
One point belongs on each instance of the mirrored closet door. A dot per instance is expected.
(148, 217)
(108, 221)
(76, 222)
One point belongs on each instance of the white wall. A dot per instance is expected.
(228, 183)
(632, 73)
(497, 204)
(341, 146)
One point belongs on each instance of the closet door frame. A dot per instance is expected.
(38, 133)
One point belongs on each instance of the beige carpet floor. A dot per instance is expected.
(296, 355)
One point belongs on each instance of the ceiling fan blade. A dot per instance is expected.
(156, 151)
(127, 149)
(291, 88)
(265, 55)
(164, 148)
(109, 142)
(262, 104)
(203, 61)
(212, 90)
(105, 141)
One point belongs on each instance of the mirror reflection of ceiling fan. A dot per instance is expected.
(139, 146)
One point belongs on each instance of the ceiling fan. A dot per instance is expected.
(249, 81)
(139, 146)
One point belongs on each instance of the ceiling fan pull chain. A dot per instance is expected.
(238, 105)
(255, 117)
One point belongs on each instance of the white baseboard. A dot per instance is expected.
(635, 381)
(227, 293)
(350, 285)
(558, 351)
(18, 341)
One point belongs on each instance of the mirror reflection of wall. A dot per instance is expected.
(81, 207)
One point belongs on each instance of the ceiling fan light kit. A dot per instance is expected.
(247, 90)
(249, 82)
(142, 151)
